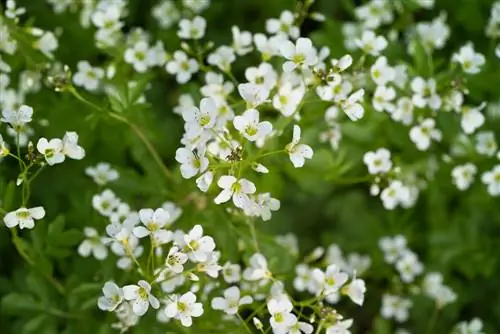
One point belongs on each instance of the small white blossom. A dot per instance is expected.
(378, 161)
(250, 127)
(423, 134)
(492, 180)
(182, 66)
(301, 54)
(236, 189)
(463, 175)
(395, 307)
(184, 308)
(371, 43)
(141, 297)
(87, 76)
(231, 301)
(23, 217)
(113, 297)
(192, 29)
(298, 153)
(102, 173)
(470, 61)
(94, 244)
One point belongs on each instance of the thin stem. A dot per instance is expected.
(255, 312)
(244, 323)
(135, 129)
(320, 327)
(253, 234)
(433, 319)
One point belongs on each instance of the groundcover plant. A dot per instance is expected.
(217, 166)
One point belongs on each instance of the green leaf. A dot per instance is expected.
(16, 303)
(35, 324)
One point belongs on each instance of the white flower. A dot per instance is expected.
(264, 75)
(204, 181)
(288, 98)
(355, 290)
(395, 194)
(196, 6)
(371, 43)
(249, 126)
(492, 180)
(253, 94)
(184, 308)
(281, 316)
(301, 54)
(231, 272)
(242, 41)
(175, 260)
(266, 204)
(298, 153)
(17, 118)
(47, 44)
(153, 221)
(257, 269)
(475, 326)
(403, 112)
(268, 47)
(166, 13)
(200, 246)
(24, 217)
(94, 244)
(381, 72)
(470, 61)
(182, 66)
(204, 117)
(392, 247)
(433, 287)
(51, 150)
(11, 11)
(102, 173)
(87, 76)
(486, 143)
(472, 118)
(463, 175)
(194, 29)
(341, 327)
(409, 266)
(105, 203)
(374, 13)
(351, 107)
(137, 56)
(382, 99)
(141, 297)
(497, 51)
(222, 57)
(191, 163)
(284, 25)
(237, 189)
(300, 327)
(331, 280)
(231, 301)
(395, 307)
(423, 134)
(70, 146)
(378, 161)
(434, 34)
(113, 297)
(304, 279)
(424, 93)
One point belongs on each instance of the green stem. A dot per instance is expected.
(16, 241)
(244, 323)
(433, 319)
(134, 128)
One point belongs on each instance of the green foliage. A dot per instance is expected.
(45, 287)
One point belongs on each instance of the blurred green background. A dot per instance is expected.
(454, 233)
